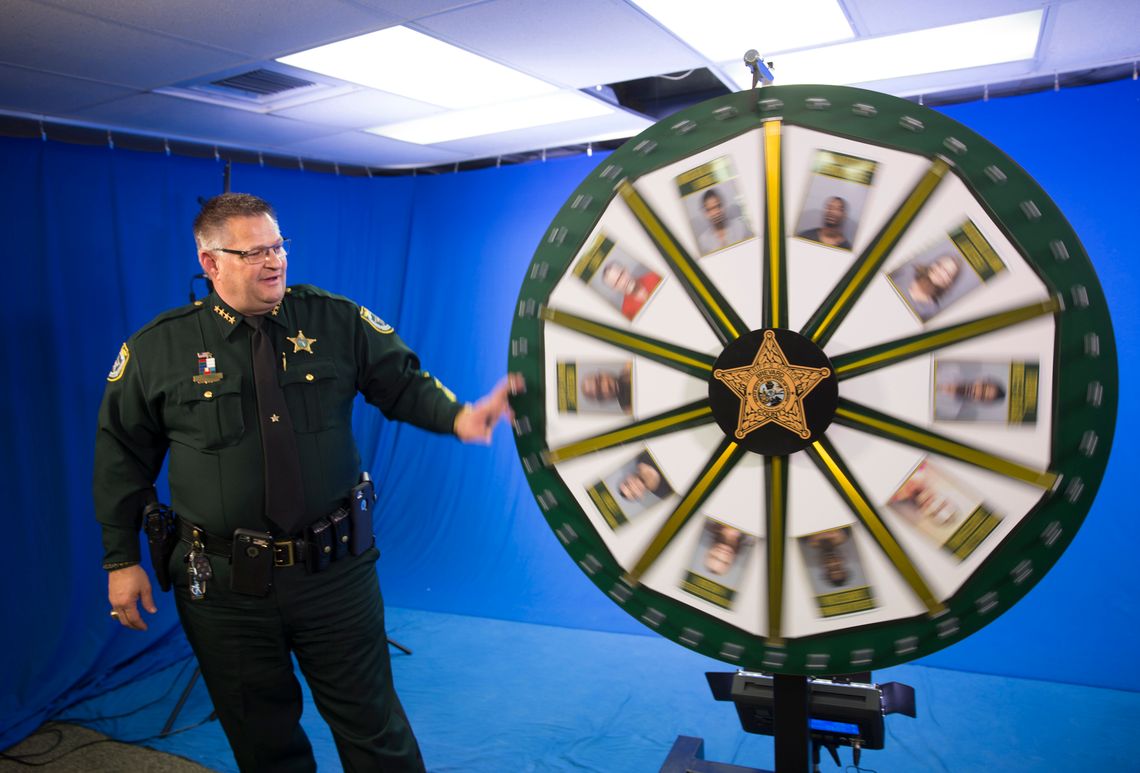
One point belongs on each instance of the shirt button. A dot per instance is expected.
(309, 376)
(207, 394)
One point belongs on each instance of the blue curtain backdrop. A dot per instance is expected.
(98, 242)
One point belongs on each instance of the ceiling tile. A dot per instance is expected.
(1092, 31)
(933, 83)
(67, 43)
(577, 44)
(888, 17)
(360, 109)
(257, 29)
(169, 116)
(29, 91)
(408, 10)
(371, 150)
(552, 136)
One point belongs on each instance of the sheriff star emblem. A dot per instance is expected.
(301, 343)
(771, 390)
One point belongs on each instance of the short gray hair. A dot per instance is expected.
(218, 211)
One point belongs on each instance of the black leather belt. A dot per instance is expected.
(285, 552)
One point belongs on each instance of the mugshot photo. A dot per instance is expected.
(586, 386)
(624, 282)
(934, 280)
(718, 563)
(943, 510)
(836, 572)
(836, 195)
(971, 390)
(630, 490)
(714, 206)
(947, 271)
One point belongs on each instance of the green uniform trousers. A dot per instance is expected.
(333, 621)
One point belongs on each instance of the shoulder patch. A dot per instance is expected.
(379, 325)
(120, 364)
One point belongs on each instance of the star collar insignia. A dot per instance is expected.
(771, 390)
(225, 315)
(301, 343)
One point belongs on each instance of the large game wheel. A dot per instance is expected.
(818, 380)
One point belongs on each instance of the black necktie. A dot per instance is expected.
(284, 494)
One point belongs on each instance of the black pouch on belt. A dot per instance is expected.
(320, 545)
(360, 501)
(251, 567)
(342, 532)
(161, 538)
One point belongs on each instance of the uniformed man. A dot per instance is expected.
(250, 391)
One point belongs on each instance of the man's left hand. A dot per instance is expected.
(475, 423)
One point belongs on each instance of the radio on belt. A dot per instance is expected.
(360, 502)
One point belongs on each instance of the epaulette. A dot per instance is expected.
(312, 291)
(301, 292)
(171, 314)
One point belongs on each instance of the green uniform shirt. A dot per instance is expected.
(184, 384)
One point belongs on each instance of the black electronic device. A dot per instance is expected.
(252, 563)
(840, 713)
(360, 501)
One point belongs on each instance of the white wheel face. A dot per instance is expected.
(812, 389)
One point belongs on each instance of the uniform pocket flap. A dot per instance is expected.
(192, 392)
(307, 372)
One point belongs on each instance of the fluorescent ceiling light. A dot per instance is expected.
(494, 119)
(996, 40)
(405, 62)
(636, 126)
(722, 30)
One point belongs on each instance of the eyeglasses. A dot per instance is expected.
(258, 254)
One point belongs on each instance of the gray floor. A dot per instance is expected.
(63, 748)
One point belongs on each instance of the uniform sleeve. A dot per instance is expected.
(129, 449)
(389, 377)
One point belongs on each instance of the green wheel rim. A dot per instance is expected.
(943, 599)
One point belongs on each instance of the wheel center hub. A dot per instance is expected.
(773, 391)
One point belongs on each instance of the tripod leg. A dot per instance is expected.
(400, 647)
(181, 702)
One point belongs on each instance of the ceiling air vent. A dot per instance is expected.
(261, 90)
(262, 82)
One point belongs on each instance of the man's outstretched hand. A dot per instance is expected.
(475, 423)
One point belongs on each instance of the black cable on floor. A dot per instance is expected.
(20, 759)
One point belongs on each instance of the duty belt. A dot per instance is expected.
(285, 552)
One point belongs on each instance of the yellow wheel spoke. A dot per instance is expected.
(719, 464)
(692, 415)
(857, 416)
(775, 268)
(831, 465)
(825, 321)
(880, 356)
(677, 357)
(776, 489)
(724, 321)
